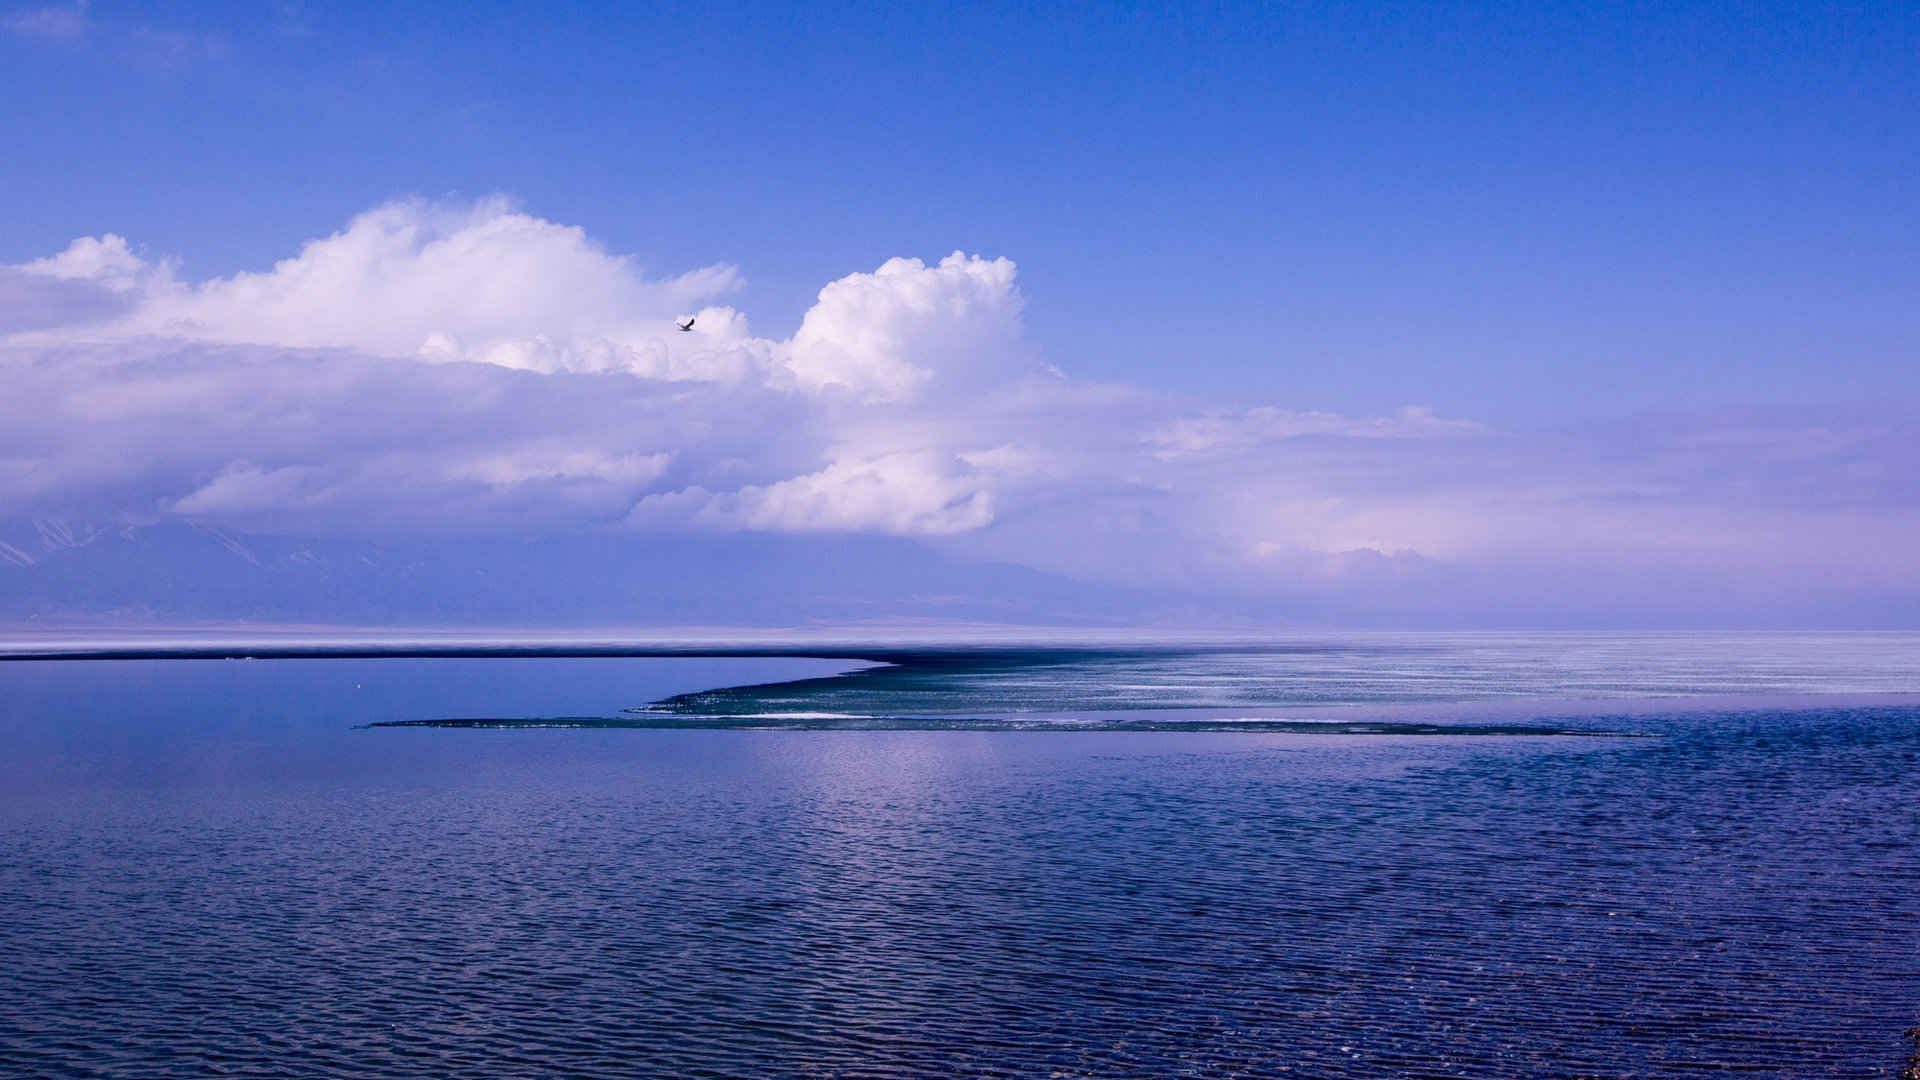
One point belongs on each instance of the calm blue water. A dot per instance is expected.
(212, 868)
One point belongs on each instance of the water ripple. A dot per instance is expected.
(1741, 895)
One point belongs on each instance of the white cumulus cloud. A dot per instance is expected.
(105, 261)
(907, 494)
(472, 366)
(441, 281)
(887, 334)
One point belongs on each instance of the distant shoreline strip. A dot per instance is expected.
(329, 650)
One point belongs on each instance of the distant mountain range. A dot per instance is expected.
(175, 571)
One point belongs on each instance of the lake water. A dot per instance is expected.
(215, 867)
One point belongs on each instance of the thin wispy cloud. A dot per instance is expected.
(61, 22)
(170, 49)
(140, 43)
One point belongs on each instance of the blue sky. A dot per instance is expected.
(1556, 222)
(1506, 206)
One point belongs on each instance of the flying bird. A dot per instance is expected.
(684, 326)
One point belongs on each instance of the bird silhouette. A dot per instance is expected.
(685, 326)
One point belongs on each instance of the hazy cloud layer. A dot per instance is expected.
(464, 367)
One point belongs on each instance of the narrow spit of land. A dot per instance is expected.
(1398, 684)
